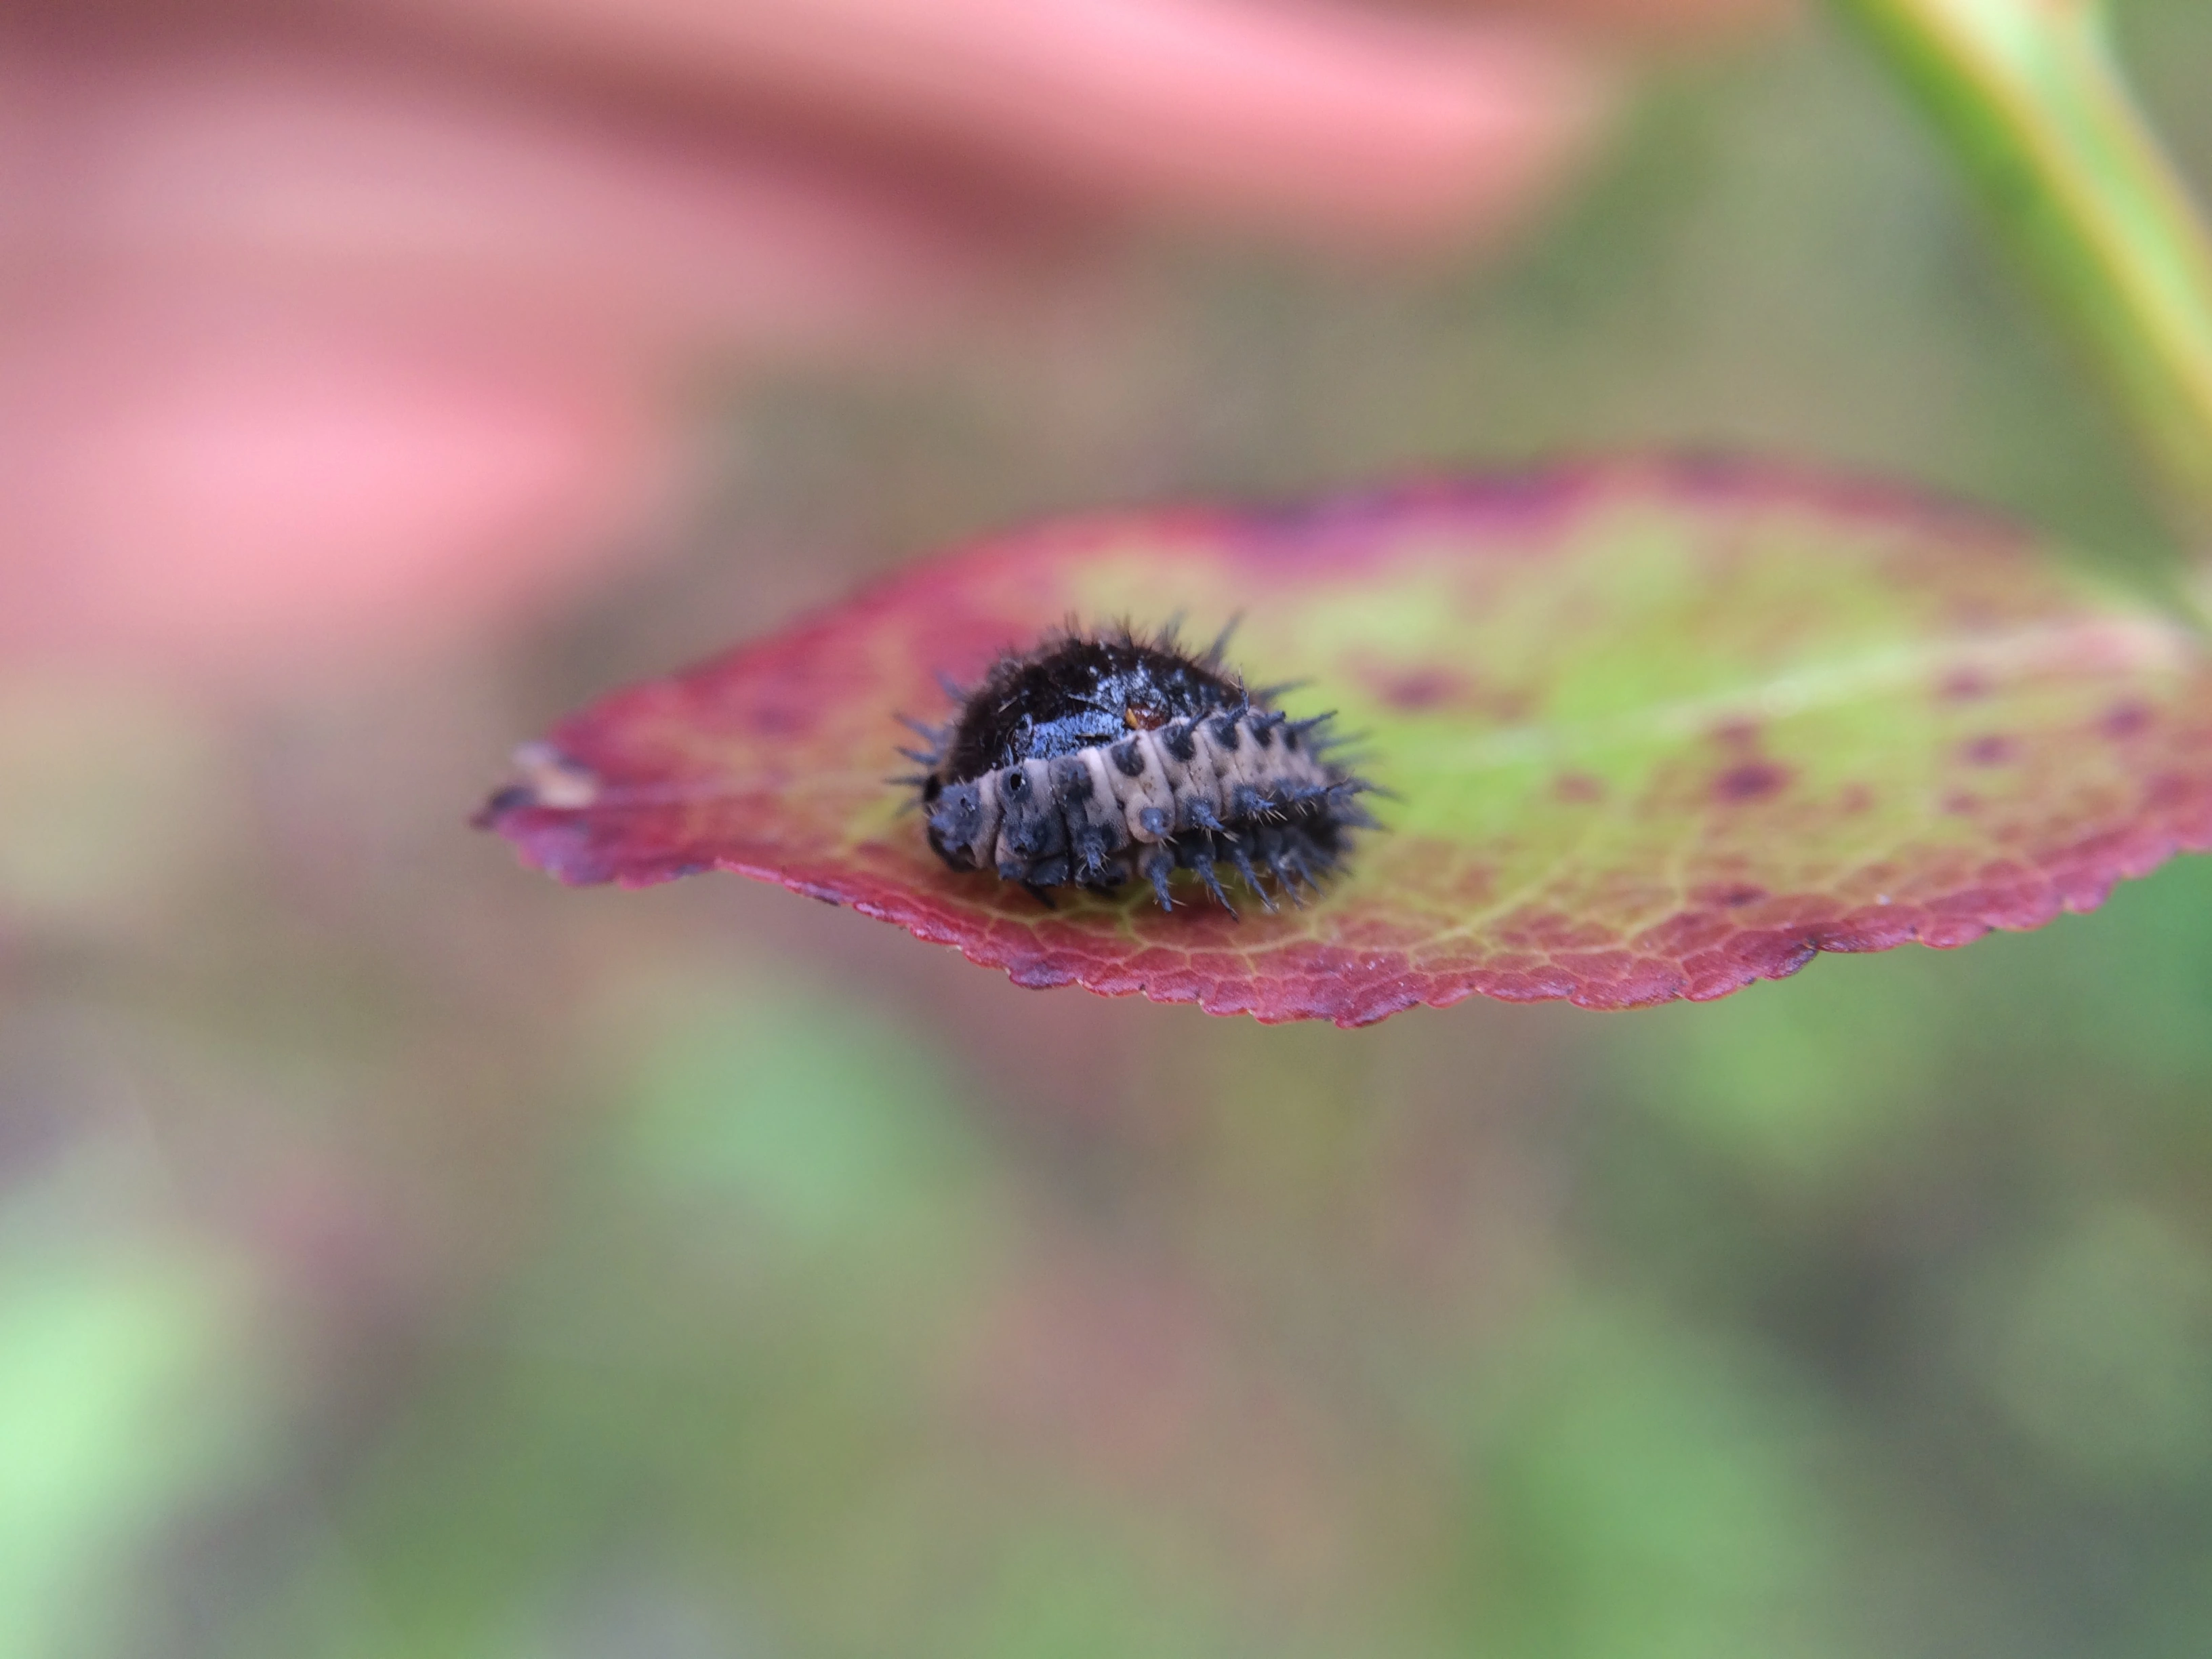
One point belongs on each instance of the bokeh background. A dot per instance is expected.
(401, 1255)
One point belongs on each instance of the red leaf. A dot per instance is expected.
(1656, 731)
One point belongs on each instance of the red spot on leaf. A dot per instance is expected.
(2169, 790)
(1964, 686)
(1753, 780)
(779, 720)
(2126, 719)
(1423, 688)
(1993, 749)
(1578, 787)
(1476, 885)
(1731, 896)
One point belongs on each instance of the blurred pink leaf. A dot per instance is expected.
(1655, 730)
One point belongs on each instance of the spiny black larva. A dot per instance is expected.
(1098, 757)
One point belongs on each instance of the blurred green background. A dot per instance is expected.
(401, 1255)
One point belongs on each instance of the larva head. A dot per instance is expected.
(956, 821)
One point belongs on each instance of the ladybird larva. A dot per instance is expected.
(1096, 757)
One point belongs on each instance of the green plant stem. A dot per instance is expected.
(2030, 95)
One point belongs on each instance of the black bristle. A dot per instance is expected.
(1242, 860)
